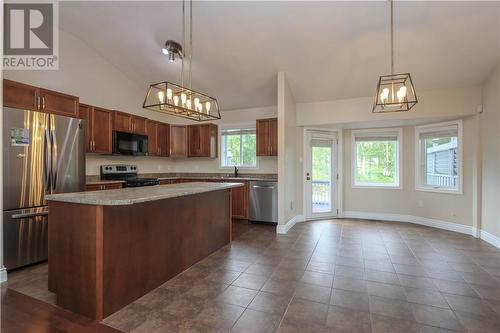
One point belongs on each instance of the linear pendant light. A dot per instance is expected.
(176, 99)
(395, 92)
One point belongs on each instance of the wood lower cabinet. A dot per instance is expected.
(178, 141)
(100, 187)
(98, 131)
(267, 137)
(27, 97)
(202, 140)
(239, 200)
(20, 96)
(125, 122)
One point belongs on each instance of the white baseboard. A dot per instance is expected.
(283, 228)
(3, 274)
(463, 229)
(490, 238)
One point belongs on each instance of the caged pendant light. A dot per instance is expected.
(395, 92)
(177, 99)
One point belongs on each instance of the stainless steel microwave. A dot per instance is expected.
(129, 144)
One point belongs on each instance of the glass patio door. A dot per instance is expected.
(321, 174)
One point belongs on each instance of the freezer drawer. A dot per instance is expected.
(25, 234)
(263, 201)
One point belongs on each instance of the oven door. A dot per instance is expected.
(129, 144)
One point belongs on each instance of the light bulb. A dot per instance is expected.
(200, 107)
(384, 95)
(183, 98)
(161, 96)
(169, 94)
(207, 107)
(176, 100)
(171, 57)
(164, 51)
(401, 93)
(188, 103)
(196, 102)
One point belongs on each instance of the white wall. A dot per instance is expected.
(490, 142)
(84, 73)
(3, 272)
(454, 208)
(289, 141)
(432, 105)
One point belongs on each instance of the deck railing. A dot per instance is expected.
(441, 180)
(321, 192)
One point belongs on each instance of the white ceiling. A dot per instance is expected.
(329, 50)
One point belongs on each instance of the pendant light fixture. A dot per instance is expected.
(395, 92)
(177, 99)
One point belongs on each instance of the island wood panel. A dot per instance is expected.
(101, 258)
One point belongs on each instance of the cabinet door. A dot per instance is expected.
(113, 186)
(262, 131)
(153, 138)
(20, 95)
(139, 125)
(163, 139)
(93, 187)
(85, 113)
(194, 140)
(122, 122)
(239, 199)
(58, 103)
(102, 130)
(273, 137)
(178, 141)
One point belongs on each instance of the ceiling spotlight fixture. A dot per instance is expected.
(395, 92)
(171, 49)
(177, 99)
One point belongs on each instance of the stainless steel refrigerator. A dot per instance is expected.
(42, 154)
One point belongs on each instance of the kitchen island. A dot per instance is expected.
(108, 248)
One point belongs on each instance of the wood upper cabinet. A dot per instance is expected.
(125, 122)
(178, 141)
(98, 131)
(164, 139)
(158, 138)
(23, 96)
(20, 96)
(58, 103)
(202, 140)
(267, 137)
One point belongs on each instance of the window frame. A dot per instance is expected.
(245, 126)
(382, 132)
(420, 160)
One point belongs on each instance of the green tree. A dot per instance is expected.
(376, 162)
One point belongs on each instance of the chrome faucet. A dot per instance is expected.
(235, 171)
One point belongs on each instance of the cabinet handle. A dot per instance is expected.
(93, 145)
(38, 98)
(43, 102)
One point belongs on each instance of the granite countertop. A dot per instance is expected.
(134, 195)
(217, 178)
(173, 176)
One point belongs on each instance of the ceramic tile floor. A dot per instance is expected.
(330, 276)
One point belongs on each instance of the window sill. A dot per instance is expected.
(439, 190)
(239, 168)
(377, 187)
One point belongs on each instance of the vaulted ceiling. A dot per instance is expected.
(329, 50)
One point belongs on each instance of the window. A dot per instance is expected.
(376, 158)
(238, 147)
(439, 166)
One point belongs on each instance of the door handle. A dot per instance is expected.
(54, 160)
(260, 186)
(47, 162)
(31, 214)
(308, 177)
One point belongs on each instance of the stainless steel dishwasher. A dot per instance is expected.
(263, 201)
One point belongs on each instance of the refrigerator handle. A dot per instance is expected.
(47, 161)
(54, 160)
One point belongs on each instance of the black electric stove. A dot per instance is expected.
(127, 173)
